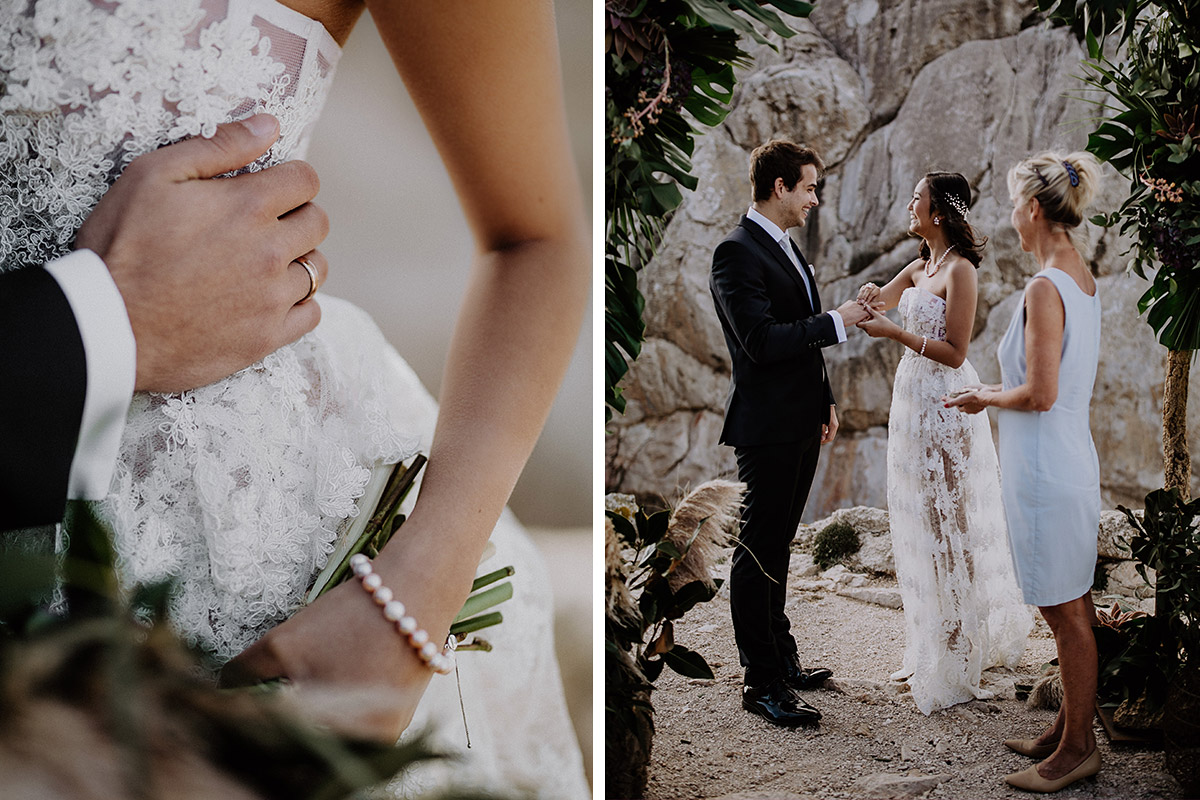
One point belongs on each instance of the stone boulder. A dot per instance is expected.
(1115, 533)
(887, 89)
(887, 785)
(874, 532)
(889, 42)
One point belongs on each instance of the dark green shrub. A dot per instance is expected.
(833, 543)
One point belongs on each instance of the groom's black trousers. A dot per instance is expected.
(777, 478)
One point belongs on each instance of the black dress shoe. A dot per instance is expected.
(799, 678)
(778, 704)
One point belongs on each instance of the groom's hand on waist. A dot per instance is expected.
(207, 268)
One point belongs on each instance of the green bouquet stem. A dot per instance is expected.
(476, 623)
(378, 531)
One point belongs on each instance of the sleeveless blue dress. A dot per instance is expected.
(1050, 475)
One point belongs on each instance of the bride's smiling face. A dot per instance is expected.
(920, 221)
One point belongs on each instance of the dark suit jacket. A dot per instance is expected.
(43, 377)
(780, 392)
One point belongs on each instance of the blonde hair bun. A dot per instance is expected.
(1064, 185)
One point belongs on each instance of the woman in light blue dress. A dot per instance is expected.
(1050, 475)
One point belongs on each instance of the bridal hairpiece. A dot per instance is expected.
(958, 205)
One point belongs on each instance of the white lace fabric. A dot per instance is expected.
(238, 490)
(962, 609)
(90, 85)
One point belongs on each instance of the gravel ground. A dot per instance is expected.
(872, 740)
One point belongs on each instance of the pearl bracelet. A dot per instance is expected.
(924, 342)
(393, 611)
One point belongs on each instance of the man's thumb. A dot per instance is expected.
(233, 146)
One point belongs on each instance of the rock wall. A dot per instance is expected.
(886, 90)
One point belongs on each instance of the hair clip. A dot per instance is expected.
(958, 205)
(1042, 178)
(1071, 173)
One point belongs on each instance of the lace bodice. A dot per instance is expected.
(86, 86)
(922, 313)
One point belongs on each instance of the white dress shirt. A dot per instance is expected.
(785, 242)
(111, 357)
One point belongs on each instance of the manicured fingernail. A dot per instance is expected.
(261, 125)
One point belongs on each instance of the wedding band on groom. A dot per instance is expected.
(779, 412)
(176, 280)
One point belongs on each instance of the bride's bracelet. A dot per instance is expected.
(393, 611)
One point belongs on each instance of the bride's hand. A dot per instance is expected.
(868, 295)
(877, 324)
(342, 642)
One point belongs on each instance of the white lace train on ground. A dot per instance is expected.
(962, 611)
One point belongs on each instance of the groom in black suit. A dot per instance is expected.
(779, 412)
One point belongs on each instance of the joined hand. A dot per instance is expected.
(970, 399)
(876, 324)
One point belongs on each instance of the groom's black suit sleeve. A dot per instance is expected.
(774, 332)
(43, 378)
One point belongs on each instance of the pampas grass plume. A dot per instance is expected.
(701, 526)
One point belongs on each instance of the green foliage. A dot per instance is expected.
(833, 543)
(1141, 655)
(1152, 96)
(648, 632)
(642, 604)
(667, 63)
(113, 660)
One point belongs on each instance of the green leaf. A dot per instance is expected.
(688, 596)
(687, 663)
(653, 668)
(653, 527)
(477, 623)
(485, 600)
(492, 577)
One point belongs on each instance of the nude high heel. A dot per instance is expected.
(1032, 781)
(1030, 747)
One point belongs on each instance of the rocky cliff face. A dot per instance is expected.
(886, 90)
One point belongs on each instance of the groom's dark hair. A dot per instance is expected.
(780, 158)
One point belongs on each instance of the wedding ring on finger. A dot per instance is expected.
(312, 278)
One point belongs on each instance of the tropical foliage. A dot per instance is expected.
(1152, 96)
(668, 64)
(657, 568)
(1141, 655)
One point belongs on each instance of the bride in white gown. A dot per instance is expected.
(962, 611)
(239, 489)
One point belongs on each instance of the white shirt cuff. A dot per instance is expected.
(838, 325)
(111, 357)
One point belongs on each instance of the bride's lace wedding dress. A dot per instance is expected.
(238, 490)
(962, 610)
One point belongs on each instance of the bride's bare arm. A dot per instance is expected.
(485, 78)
